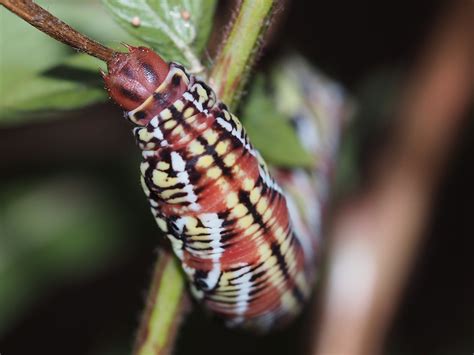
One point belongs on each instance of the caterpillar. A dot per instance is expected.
(211, 193)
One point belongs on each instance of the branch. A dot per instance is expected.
(166, 304)
(239, 49)
(38, 17)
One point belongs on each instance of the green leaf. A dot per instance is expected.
(36, 51)
(28, 57)
(177, 29)
(18, 42)
(271, 133)
(74, 83)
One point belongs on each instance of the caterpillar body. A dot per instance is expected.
(211, 193)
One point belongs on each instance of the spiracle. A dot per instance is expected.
(212, 195)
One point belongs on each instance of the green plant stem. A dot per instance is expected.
(240, 48)
(166, 303)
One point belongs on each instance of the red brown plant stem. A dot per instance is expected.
(38, 17)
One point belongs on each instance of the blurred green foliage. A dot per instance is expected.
(51, 231)
(376, 97)
(270, 131)
(72, 84)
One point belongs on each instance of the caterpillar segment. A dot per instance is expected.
(212, 195)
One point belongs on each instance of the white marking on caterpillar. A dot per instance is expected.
(179, 165)
(244, 292)
(154, 121)
(158, 134)
(228, 127)
(148, 153)
(214, 223)
(177, 162)
(268, 180)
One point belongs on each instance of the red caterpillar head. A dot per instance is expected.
(133, 77)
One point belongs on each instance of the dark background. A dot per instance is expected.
(364, 45)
